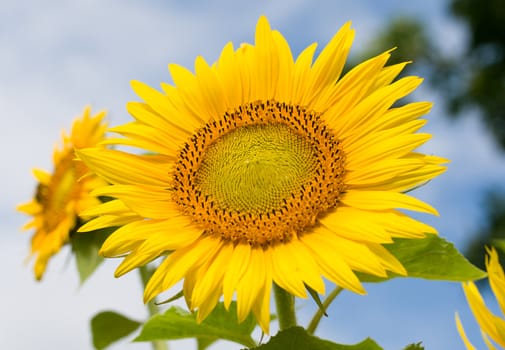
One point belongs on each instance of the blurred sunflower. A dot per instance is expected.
(60, 197)
(492, 326)
(266, 169)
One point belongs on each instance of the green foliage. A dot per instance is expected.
(500, 244)
(172, 298)
(108, 327)
(484, 61)
(296, 338)
(177, 323)
(491, 232)
(481, 84)
(316, 299)
(416, 346)
(431, 258)
(409, 38)
(85, 246)
(204, 343)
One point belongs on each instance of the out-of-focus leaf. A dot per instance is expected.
(85, 246)
(500, 244)
(108, 327)
(204, 343)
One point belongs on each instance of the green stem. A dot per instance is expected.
(145, 275)
(285, 303)
(311, 328)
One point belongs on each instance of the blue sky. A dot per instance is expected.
(58, 56)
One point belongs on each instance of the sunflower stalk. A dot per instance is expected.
(285, 304)
(145, 274)
(311, 328)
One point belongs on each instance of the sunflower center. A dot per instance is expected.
(55, 196)
(261, 174)
(254, 168)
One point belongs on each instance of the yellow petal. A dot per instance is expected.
(119, 167)
(357, 255)
(406, 181)
(363, 142)
(387, 75)
(382, 200)
(265, 63)
(395, 147)
(355, 224)
(144, 114)
(286, 68)
(462, 334)
(30, 208)
(490, 345)
(329, 64)
(350, 90)
(284, 273)
(496, 277)
(169, 234)
(42, 176)
(261, 307)
(487, 321)
(213, 95)
(177, 264)
(162, 105)
(306, 267)
(228, 72)
(145, 137)
(186, 99)
(213, 277)
(113, 207)
(301, 73)
(104, 221)
(147, 201)
(387, 260)
(382, 171)
(400, 115)
(209, 304)
(251, 284)
(239, 262)
(333, 266)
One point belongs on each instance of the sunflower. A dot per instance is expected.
(60, 197)
(263, 169)
(492, 326)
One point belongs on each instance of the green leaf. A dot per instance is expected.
(431, 258)
(316, 299)
(85, 246)
(108, 327)
(499, 243)
(416, 346)
(177, 323)
(204, 343)
(173, 298)
(296, 338)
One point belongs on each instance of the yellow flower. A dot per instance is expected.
(60, 197)
(492, 326)
(266, 169)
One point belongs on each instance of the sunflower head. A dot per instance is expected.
(61, 195)
(266, 169)
(491, 325)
